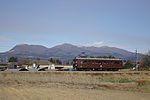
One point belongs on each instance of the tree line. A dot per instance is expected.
(144, 63)
(26, 61)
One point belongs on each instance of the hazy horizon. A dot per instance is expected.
(116, 23)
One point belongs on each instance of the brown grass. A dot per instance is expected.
(53, 93)
(73, 85)
(83, 79)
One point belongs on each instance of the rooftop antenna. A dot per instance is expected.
(83, 55)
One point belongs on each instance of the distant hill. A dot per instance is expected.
(65, 52)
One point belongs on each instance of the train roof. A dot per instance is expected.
(99, 58)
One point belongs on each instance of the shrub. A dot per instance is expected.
(125, 80)
(145, 62)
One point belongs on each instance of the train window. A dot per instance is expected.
(98, 62)
(92, 61)
(111, 62)
(106, 62)
(116, 62)
(84, 62)
(89, 62)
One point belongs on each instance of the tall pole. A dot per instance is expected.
(136, 58)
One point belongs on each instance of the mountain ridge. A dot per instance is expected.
(66, 52)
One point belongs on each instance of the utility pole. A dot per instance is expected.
(136, 60)
(6, 59)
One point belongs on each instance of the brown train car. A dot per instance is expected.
(97, 64)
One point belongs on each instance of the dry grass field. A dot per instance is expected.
(53, 93)
(74, 85)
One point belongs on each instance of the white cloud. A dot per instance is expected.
(99, 44)
(89, 44)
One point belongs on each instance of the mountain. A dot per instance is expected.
(65, 52)
(25, 50)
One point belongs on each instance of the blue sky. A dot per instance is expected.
(116, 23)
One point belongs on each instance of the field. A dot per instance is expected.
(74, 85)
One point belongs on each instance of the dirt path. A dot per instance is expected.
(50, 93)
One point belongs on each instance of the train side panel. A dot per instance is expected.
(97, 64)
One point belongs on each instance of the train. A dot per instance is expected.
(97, 64)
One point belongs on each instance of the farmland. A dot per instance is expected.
(56, 85)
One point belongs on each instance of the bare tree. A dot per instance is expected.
(145, 62)
(38, 62)
(51, 60)
(24, 61)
